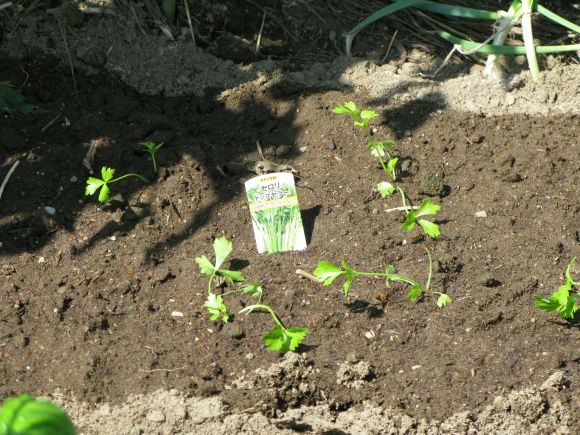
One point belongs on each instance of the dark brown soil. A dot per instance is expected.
(87, 294)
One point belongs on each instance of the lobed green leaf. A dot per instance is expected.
(432, 229)
(222, 248)
(283, 340)
(327, 272)
(216, 307)
(385, 188)
(205, 265)
(428, 208)
(415, 292)
(444, 300)
(231, 276)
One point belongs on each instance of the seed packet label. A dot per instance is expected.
(275, 213)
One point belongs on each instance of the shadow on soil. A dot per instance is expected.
(205, 132)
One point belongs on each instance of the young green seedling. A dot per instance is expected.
(279, 339)
(413, 217)
(152, 148)
(328, 272)
(25, 415)
(378, 148)
(94, 184)
(222, 248)
(565, 299)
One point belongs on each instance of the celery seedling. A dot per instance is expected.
(565, 299)
(25, 415)
(378, 148)
(415, 217)
(222, 248)
(279, 339)
(94, 184)
(152, 148)
(328, 272)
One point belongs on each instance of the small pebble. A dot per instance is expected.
(74, 179)
(41, 259)
(50, 210)
(303, 149)
(176, 314)
(415, 367)
(481, 214)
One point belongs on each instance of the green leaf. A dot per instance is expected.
(253, 289)
(368, 114)
(415, 292)
(205, 265)
(444, 300)
(327, 272)
(216, 307)
(12, 102)
(561, 295)
(93, 184)
(385, 188)
(568, 310)
(392, 164)
(151, 147)
(24, 415)
(377, 148)
(409, 223)
(231, 276)
(104, 194)
(296, 336)
(283, 340)
(107, 173)
(568, 271)
(362, 124)
(430, 228)
(349, 274)
(427, 208)
(222, 248)
(277, 340)
(348, 108)
(545, 304)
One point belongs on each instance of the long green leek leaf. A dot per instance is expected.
(457, 11)
(557, 18)
(503, 49)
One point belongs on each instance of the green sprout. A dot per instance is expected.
(565, 299)
(152, 148)
(25, 415)
(415, 217)
(378, 148)
(280, 339)
(12, 102)
(94, 184)
(328, 272)
(222, 248)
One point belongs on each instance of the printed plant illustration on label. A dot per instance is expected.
(275, 213)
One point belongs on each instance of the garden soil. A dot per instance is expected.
(101, 306)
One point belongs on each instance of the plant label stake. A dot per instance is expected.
(275, 213)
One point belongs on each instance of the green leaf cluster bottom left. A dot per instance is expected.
(24, 415)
